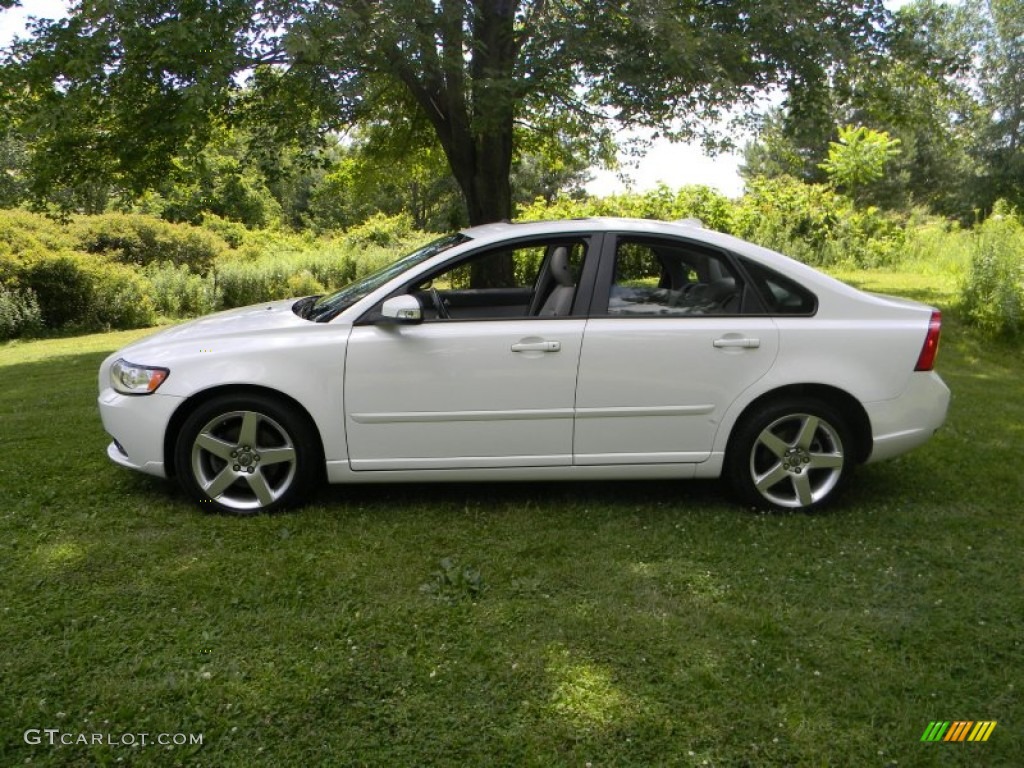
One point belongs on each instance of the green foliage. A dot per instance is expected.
(82, 292)
(814, 224)
(287, 266)
(178, 292)
(712, 208)
(451, 583)
(993, 291)
(64, 290)
(141, 240)
(808, 222)
(859, 157)
(120, 297)
(1000, 74)
(381, 230)
(19, 313)
(142, 85)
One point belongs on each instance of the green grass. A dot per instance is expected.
(604, 624)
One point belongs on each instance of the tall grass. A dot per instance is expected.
(993, 288)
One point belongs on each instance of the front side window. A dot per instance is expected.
(534, 279)
(655, 278)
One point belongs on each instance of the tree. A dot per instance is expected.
(949, 85)
(1001, 82)
(858, 158)
(136, 80)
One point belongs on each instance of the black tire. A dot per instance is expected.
(247, 453)
(794, 454)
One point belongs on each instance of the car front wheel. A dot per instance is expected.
(790, 455)
(245, 454)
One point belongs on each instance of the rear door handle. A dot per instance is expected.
(741, 342)
(537, 346)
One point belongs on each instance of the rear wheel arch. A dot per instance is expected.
(853, 413)
(189, 406)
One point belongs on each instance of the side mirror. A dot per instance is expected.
(402, 309)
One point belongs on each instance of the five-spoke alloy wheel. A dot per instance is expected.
(790, 455)
(246, 454)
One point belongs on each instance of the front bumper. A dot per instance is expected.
(138, 424)
(905, 422)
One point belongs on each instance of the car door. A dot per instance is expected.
(674, 338)
(485, 387)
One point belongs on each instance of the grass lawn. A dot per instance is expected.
(591, 624)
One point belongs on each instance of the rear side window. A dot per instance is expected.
(662, 278)
(779, 294)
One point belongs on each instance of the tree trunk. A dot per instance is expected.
(488, 192)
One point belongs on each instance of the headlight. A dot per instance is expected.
(130, 379)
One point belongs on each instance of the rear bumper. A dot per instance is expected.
(905, 422)
(137, 424)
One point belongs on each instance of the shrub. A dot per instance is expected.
(177, 292)
(711, 207)
(21, 232)
(63, 288)
(19, 313)
(304, 284)
(121, 297)
(140, 240)
(242, 283)
(381, 230)
(232, 232)
(813, 224)
(992, 295)
(75, 290)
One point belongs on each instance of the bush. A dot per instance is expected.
(177, 292)
(63, 287)
(19, 313)
(121, 297)
(22, 232)
(992, 295)
(141, 240)
(75, 290)
(712, 208)
(242, 283)
(382, 230)
(813, 224)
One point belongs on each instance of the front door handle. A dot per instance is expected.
(736, 341)
(537, 346)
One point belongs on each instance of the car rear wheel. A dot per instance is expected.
(245, 454)
(790, 455)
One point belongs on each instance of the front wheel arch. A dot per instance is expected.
(188, 407)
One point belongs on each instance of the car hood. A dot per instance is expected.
(243, 321)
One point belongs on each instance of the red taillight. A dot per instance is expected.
(926, 360)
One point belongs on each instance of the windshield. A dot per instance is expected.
(330, 306)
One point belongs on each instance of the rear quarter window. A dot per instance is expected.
(779, 294)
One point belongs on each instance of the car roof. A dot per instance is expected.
(503, 229)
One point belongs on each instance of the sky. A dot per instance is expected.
(664, 162)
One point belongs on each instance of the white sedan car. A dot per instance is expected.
(586, 349)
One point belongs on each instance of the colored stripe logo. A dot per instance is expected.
(958, 730)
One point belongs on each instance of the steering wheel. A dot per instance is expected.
(442, 310)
